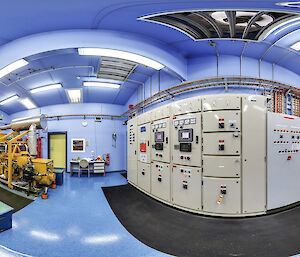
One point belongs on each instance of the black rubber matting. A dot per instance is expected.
(124, 175)
(13, 200)
(184, 234)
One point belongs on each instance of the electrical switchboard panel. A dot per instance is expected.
(144, 176)
(254, 175)
(160, 140)
(144, 118)
(221, 102)
(187, 106)
(222, 166)
(186, 187)
(132, 151)
(161, 112)
(161, 180)
(144, 148)
(222, 143)
(222, 195)
(228, 156)
(219, 121)
(283, 160)
(187, 140)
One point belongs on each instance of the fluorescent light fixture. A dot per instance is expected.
(74, 95)
(27, 103)
(7, 100)
(45, 88)
(11, 67)
(296, 46)
(100, 84)
(122, 55)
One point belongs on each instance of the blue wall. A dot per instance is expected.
(6, 118)
(99, 134)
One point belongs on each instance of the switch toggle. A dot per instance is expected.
(185, 185)
(221, 123)
(221, 145)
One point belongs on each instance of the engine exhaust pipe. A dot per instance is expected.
(39, 121)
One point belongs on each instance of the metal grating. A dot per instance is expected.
(234, 24)
(115, 69)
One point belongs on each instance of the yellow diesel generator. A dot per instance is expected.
(19, 167)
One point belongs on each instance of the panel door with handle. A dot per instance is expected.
(144, 147)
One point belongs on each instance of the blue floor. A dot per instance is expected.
(76, 220)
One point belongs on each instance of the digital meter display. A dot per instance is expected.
(159, 136)
(159, 146)
(185, 135)
(185, 147)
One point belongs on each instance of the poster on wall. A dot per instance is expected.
(78, 145)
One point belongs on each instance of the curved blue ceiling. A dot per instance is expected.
(53, 56)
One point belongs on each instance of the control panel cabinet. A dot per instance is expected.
(144, 148)
(221, 121)
(283, 160)
(217, 155)
(187, 187)
(223, 143)
(254, 176)
(144, 118)
(160, 180)
(132, 151)
(161, 112)
(144, 176)
(222, 195)
(187, 106)
(160, 140)
(221, 102)
(186, 134)
(222, 166)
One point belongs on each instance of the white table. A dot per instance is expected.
(97, 167)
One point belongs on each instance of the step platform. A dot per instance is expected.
(5, 217)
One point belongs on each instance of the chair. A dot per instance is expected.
(84, 165)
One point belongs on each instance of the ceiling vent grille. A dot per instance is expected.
(115, 69)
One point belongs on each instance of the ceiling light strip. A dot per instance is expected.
(45, 88)
(100, 84)
(74, 95)
(12, 67)
(296, 46)
(10, 99)
(27, 103)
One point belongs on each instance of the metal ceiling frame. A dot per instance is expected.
(251, 22)
(211, 21)
(172, 19)
(231, 16)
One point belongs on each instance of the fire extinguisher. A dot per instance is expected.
(107, 161)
